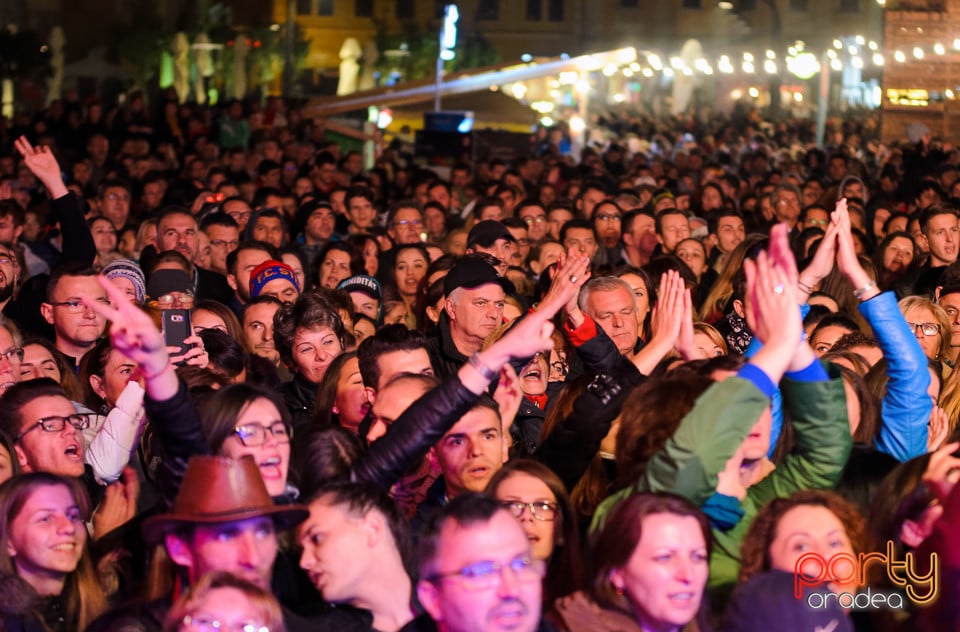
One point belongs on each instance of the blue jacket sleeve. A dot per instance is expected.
(905, 408)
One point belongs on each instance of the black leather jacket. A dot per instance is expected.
(176, 424)
(574, 442)
(300, 396)
(413, 433)
(175, 436)
(444, 355)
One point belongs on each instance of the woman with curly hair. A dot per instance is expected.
(809, 521)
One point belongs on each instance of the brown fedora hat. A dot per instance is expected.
(217, 489)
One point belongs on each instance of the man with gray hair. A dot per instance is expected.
(610, 302)
(785, 200)
(472, 310)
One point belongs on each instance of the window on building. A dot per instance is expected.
(304, 7)
(798, 5)
(850, 6)
(534, 13)
(363, 8)
(489, 10)
(629, 4)
(555, 10)
(325, 7)
(405, 9)
(692, 4)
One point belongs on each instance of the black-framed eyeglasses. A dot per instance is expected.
(220, 243)
(609, 218)
(927, 329)
(252, 435)
(56, 423)
(77, 306)
(13, 355)
(540, 509)
(486, 574)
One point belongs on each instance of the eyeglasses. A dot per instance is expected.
(220, 243)
(252, 435)
(534, 219)
(408, 222)
(927, 329)
(7, 260)
(486, 575)
(239, 215)
(77, 307)
(57, 423)
(523, 241)
(205, 623)
(539, 509)
(559, 367)
(13, 355)
(609, 218)
(169, 299)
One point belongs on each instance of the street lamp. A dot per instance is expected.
(448, 40)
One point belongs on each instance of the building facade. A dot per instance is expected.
(553, 27)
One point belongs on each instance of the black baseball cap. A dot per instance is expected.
(487, 232)
(472, 271)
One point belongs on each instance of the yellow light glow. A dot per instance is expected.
(753, 92)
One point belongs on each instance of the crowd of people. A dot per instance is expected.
(688, 379)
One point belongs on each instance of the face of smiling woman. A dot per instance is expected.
(46, 537)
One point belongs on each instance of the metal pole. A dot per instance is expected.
(436, 96)
(289, 70)
(823, 99)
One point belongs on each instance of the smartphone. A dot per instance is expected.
(176, 329)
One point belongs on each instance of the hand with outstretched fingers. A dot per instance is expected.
(43, 164)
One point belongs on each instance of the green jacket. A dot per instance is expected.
(713, 430)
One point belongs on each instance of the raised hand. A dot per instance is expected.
(729, 479)
(196, 355)
(938, 429)
(666, 321)
(772, 316)
(847, 260)
(566, 279)
(781, 255)
(667, 315)
(132, 331)
(941, 473)
(508, 396)
(685, 342)
(119, 503)
(43, 164)
(823, 259)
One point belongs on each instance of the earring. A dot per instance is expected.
(619, 590)
(335, 410)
